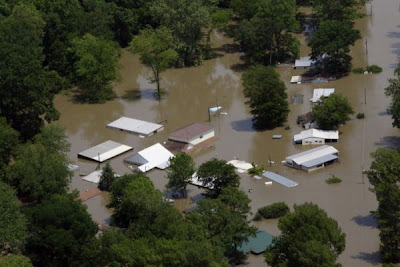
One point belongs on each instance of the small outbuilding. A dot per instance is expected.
(140, 127)
(189, 136)
(313, 159)
(316, 137)
(155, 156)
(308, 79)
(321, 93)
(304, 63)
(104, 151)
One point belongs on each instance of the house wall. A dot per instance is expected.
(202, 138)
(313, 141)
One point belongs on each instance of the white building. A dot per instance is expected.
(190, 136)
(320, 93)
(104, 151)
(304, 63)
(155, 156)
(316, 137)
(140, 127)
(313, 159)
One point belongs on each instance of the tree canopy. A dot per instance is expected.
(267, 97)
(218, 173)
(384, 176)
(180, 172)
(393, 90)
(156, 50)
(8, 143)
(332, 112)
(107, 178)
(308, 238)
(95, 67)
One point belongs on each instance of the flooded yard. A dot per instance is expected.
(191, 91)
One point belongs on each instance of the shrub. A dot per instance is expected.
(257, 217)
(273, 211)
(333, 180)
(374, 69)
(256, 170)
(287, 127)
(360, 116)
(358, 70)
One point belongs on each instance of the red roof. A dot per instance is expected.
(191, 131)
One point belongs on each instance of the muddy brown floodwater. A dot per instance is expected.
(192, 90)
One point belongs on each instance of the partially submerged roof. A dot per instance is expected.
(295, 79)
(155, 156)
(312, 154)
(191, 131)
(304, 118)
(320, 160)
(321, 92)
(195, 181)
(240, 165)
(257, 244)
(135, 126)
(303, 62)
(104, 151)
(94, 177)
(315, 133)
(280, 179)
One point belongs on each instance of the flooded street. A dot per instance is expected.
(191, 91)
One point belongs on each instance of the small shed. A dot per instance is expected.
(304, 63)
(189, 136)
(256, 244)
(320, 93)
(155, 156)
(140, 127)
(94, 177)
(104, 151)
(316, 137)
(313, 159)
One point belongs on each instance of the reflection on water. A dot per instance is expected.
(191, 91)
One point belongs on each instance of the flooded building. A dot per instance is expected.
(321, 93)
(190, 136)
(140, 127)
(104, 151)
(304, 63)
(316, 137)
(155, 156)
(305, 120)
(313, 159)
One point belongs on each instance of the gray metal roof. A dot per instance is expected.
(312, 154)
(135, 126)
(280, 179)
(104, 151)
(319, 161)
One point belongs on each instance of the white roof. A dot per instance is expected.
(321, 92)
(315, 133)
(303, 62)
(94, 177)
(312, 154)
(135, 126)
(195, 181)
(240, 165)
(156, 156)
(295, 79)
(104, 151)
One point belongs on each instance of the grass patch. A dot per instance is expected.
(374, 69)
(333, 180)
(360, 116)
(358, 70)
(272, 211)
(256, 170)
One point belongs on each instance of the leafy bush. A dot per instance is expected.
(374, 69)
(256, 170)
(257, 217)
(333, 180)
(358, 70)
(360, 116)
(287, 127)
(272, 211)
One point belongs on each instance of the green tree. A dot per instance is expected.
(393, 90)
(107, 178)
(308, 238)
(332, 112)
(384, 176)
(331, 43)
(187, 19)
(156, 50)
(13, 260)
(180, 171)
(267, 97)
(59, 227)
(336, 10)
(13, 225)
(219, 19)
(53, 137)
(95, 67)
(26, 89)
(8, 142)
(218, 173)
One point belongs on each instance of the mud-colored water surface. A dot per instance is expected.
(191, 91)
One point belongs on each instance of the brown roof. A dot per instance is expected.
(192, 130)
(304, 118)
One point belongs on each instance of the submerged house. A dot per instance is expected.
(313, 159)
(140, 127)
(155, 156)
(305, 120)
(190, 136)
(321, 93)
(316, 137)
(304, 63)
(104, 151)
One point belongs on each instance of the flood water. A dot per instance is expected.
(191, 91)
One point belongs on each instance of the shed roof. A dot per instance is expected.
(321, 92)
(155, 156)
(304, 62)
(318, 161)
(280, 179)
(312, 154)
(94, 177)
(104, 151)
(191, 131)
(135, 126)
(315, 133)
